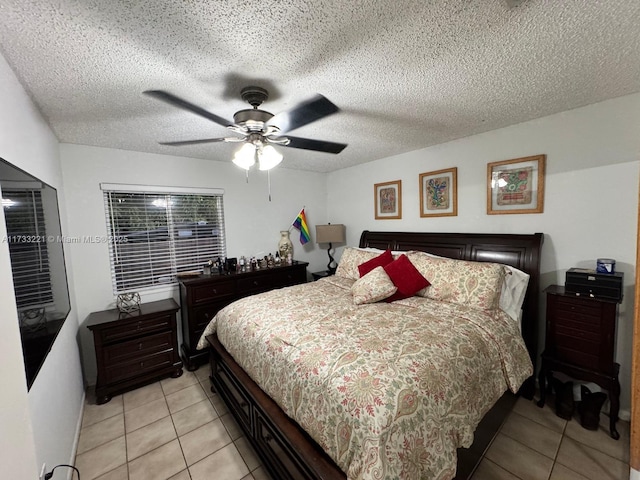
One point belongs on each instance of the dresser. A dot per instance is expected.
(133, 349)
(580, 342)
(202, 296)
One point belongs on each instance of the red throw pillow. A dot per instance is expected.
(381, 260)
(406, 277)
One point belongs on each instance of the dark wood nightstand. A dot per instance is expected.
(580, 343)
(134, 349)
(322, 274)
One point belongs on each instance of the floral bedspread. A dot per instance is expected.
(389, 391)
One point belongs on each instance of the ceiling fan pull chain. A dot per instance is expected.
(269, 183)
(247, 173)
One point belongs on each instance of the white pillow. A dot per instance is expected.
(513, 292)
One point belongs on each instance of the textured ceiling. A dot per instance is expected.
(406, 74)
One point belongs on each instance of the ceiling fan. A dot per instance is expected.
(258, 129)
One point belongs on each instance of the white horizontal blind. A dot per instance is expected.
(27, 238)
(155, 235)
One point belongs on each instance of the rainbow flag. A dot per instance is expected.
(301, 224)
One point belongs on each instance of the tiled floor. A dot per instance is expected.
(176, 429)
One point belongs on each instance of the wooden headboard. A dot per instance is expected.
(520, 251)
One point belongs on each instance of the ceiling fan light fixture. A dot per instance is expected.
(268, 157)
(245, 156)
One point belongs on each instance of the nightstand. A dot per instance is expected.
(580, 343)
(136, 348)
(322, 274)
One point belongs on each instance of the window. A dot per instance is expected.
(153, 235)
(27, 236)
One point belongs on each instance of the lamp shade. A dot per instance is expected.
(330, 233)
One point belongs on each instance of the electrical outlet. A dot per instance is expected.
(43, 471)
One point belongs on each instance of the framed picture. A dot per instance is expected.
(516, 186)
(388, 200)
(439, 193)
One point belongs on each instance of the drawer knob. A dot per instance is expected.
(255, 282)
(141, 364)
(140, 346)
(268, 437)
(214, 290)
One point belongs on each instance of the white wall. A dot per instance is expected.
(591, 195)
(38, 426)
(252, 222)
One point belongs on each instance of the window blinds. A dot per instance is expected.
(27, 238)
(155, 235)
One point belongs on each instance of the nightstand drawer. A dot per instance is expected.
(576, 357)
(578, 306)
(579, 332)
(131, 329)
(212, 291)
(139, 366)
(138, 348)
(577, 321)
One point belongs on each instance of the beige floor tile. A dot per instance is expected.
(232, 426)
(94, 413)
(120, 473)
(544, 416)
(150, 437)
(203, 372)
(248, 477)
(100, 433)
(518, 459)
(226, 463)
(248, 453)
(145, 414)
(183, 398)
(206, 386)
(102, 459)
(600, 439)
(172, 385)
(163, 462)
(260, 474)
(203, 441)
(532, 434)
(591, 463)
(560, 472)
(193, 417)
(183, 475)
(142, 396)
(218, 404)
(487, 470)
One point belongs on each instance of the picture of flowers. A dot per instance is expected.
(516, 186)
(438, 195)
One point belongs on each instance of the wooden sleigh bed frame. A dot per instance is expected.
(287, 452)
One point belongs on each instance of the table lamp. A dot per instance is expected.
(330, 234)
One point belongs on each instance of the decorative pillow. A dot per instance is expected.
(379, 261)
(406, 277)
(474, 284)
(373, 287)
(351, 258)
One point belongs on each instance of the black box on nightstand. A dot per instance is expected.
(589, 283)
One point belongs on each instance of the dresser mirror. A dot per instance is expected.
(35, 242)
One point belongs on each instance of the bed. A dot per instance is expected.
(358, 396)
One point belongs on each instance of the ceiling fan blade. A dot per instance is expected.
(195, 142)
(180, 103)
(317, 145)
(304, 113)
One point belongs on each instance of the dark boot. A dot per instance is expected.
(564, 398)
(590, 408)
